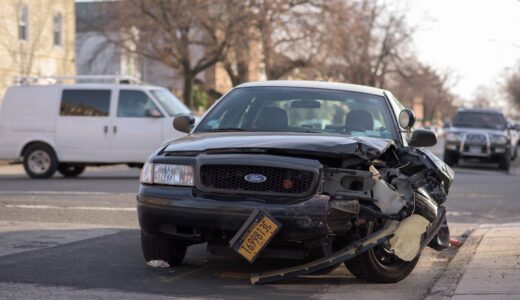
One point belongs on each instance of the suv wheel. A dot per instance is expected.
(39, 161)
(68, 170)
(170, 250)
(504, 162)
(379, 264)
(450, 158)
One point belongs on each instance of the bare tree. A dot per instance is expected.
(417, 80)
(512, 86)
(187, 35)
(367, 41)
(279, 35)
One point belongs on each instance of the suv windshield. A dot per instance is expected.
(170, 103)
(480, 120)
(292, 109)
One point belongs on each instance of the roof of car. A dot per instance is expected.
(481, 110)
(89, 86)
(317, 85)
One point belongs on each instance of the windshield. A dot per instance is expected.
(170, 103)
(480, 120)
(291, 109)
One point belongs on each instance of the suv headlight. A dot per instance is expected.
(498, 139)
(453, 136)
(169, 174)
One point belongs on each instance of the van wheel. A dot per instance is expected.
(379, 264)
(68, 170)
(39, 161)
(156, 247)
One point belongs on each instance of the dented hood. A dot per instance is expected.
(318, 144)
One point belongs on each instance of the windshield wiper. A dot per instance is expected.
(225, 129)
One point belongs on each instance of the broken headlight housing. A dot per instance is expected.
(168, 174)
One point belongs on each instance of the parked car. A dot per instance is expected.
(256, 177)
(67, 127)
(482, 134)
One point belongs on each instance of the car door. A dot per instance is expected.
(137, 127)
(82, 125)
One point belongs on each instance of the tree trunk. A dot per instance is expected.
(186, 93)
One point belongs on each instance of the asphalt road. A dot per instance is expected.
(79, 238)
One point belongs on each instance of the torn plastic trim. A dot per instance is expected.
(356, 248)
(406, 242)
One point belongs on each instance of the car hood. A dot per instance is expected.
(475, 130)
(319, 144)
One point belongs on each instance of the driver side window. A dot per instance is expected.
(135, 104)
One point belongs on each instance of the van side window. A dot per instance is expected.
(135, 104)
(87, 103)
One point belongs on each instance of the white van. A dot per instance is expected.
(67, 127)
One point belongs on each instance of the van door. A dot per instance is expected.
(82, 126)
(137, 128)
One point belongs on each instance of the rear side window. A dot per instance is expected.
(87, 103)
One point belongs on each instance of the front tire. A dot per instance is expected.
(379, 264)
(40, 161)
(504, 163)
(156, 247)
(70, 170)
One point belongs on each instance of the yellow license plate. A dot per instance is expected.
(255, 235)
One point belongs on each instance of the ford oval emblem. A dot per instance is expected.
(255, 178)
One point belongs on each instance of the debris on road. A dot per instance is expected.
(158, 264)
(455, 243)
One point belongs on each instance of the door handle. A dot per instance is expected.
(105, 129)
(114, 129)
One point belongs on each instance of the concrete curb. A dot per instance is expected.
(448, 281)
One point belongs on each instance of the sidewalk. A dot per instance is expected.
(488, 266)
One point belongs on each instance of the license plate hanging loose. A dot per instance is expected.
(256, 233)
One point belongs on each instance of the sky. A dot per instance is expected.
(476, 40)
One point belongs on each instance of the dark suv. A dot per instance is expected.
(299, 170)
(481, 134)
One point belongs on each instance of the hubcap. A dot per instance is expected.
(39, 162)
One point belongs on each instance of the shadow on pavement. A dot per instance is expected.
(115, 262)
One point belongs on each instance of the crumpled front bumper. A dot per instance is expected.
(161, 206)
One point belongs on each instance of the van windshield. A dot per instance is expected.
(170, 103)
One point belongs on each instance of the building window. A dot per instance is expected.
(23, 24)
(57, 29)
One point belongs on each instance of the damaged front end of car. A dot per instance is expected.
(398, 192)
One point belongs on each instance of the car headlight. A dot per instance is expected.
(168, 174)
(453, 137)
(147, 173)
(498, 139)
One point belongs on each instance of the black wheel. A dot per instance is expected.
(68, 170)
(40, 161)
(450, 158)
(379, 264)
(504, 163)
(170, 250)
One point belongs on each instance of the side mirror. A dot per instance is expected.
(153, 113)
(406, 119)
(183, 123)
(423, 138)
